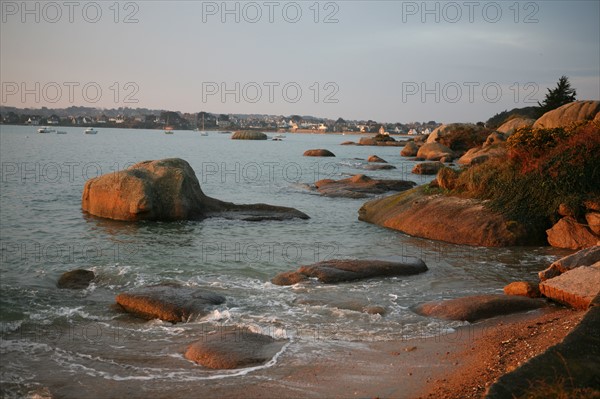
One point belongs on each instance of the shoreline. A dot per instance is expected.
(463, 363)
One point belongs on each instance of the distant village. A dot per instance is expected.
(140, 118)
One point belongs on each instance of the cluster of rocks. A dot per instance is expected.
(571, 233)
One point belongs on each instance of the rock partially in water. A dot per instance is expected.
(166, 190)
(378, 166)
(349, 301)
(410, 149)
(348, 143)
(169, 302)
(318, 153)
(445, 218)
(77, 279)
(234, 349)
(340, 270)
(478, 307)
(360, 186)
(375, 158)
(435, 152)
(248, 135)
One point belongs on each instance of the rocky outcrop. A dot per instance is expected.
(168, 302)
(233, 349)
(445, 130)
(78, 279)
(435, 152)
(509, 127)
(593, 220)
(577, 356)
(166, 190)
(474, 308)
(494, 138)
(427, 168)
(360, 186)
(339, 270)
(585, 257)
(375, 158)
(380, 140)
(568, 233)
(445, 218)
(248, 135)
(523, 288)
(577, 111)
(410, 149)
(318, 153)
(576, 288)
(446, 178)
(348, 143)
(479, 155)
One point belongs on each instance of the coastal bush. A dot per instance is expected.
(544, 168)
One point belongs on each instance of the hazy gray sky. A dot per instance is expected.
(382, 60)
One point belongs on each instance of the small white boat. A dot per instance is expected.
(279, 136)
(46, 129)
(202, 133)
(61, 132)
(90, 130)
(168, 130)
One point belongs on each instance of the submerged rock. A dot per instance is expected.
(339, 270)
(445, 218)
(360, 186)
(168, 302)
(166, 190)
(233, 349)
(318, 153)
(478, 307)
(77, 279)
(348, 301)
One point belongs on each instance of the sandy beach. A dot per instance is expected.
(456, 364)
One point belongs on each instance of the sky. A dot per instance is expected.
(389, 61)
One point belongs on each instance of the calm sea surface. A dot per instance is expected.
(58, 341)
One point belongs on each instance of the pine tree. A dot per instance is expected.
(561, 95)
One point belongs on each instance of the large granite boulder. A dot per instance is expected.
(576, 288)
(360, 186)
(166, 190)
(479, 155)
(168, 302)
(248, 135)
(318, 153)
(445, 218)
(568, 233)
(478, 307)
(339, 270)
(577, 111)
(585, 257)
(76, 279)
(410, 149)
(233, 349)
(427, 168)
(510, 126)
(380, 140)
(450, 128)
(435, 152)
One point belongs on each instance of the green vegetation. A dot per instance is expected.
(562, 94)
(545, 167)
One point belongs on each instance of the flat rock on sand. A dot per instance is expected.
(478, 307)
(339, 270)
(576, 288)
(235, 349)
(168, 302)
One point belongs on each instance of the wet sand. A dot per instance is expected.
(459, 364)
